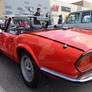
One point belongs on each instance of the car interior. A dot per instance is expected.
(20, 25)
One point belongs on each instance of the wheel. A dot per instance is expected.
(29, 70)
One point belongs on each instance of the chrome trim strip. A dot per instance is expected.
(82, 78)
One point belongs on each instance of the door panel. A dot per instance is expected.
(8, 44)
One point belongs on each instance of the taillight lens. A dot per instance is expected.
(85, 62)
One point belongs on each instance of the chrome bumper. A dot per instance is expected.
(83, 78)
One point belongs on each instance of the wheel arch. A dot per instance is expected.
(28, 49)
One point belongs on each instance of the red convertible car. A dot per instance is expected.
(63, 53)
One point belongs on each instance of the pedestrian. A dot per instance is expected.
(37, 14)
(49, 17)
(60, 19)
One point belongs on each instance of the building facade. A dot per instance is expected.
(53, 7)
(64, 9)
(84, 4)
(1, 7)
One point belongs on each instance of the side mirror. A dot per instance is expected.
(0, 31)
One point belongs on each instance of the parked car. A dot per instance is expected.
(63, 53)
(80, 20)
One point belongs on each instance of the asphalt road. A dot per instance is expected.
(11, 81)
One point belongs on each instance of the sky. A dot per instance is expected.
(71, 1)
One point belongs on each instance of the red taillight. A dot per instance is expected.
(85, 62)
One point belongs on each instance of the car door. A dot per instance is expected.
(8, 41)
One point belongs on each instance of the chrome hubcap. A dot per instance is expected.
(27, 68)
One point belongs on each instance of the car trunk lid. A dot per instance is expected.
(80, 39)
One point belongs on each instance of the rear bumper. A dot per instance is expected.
(82, 78)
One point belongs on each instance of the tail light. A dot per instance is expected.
(85, 62)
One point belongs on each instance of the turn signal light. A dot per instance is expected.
(85, 62)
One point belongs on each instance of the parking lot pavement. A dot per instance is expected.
(11, 81)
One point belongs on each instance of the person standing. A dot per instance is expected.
(37, 14)
(60, 19)
(48, 16)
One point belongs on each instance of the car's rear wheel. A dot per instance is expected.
(29, 70)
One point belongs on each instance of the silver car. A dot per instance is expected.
(80, 20)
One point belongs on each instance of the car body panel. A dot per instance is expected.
(49, 53)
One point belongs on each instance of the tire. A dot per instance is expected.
(29, 71)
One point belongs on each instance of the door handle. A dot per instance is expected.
(11, 40)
